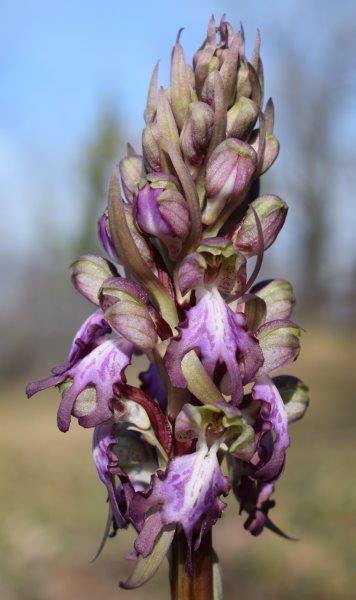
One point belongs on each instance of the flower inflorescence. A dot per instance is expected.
(176, 288)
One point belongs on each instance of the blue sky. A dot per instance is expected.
(61, 61)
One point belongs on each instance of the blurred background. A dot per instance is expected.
(74, 80)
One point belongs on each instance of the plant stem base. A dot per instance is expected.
(200, 585)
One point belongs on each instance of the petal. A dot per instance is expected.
(132, 321)
(154, 414)
(84, 341)
(104, 439)
(272, 212)
(89, 273)
(146, 567)
(278, 297)
(295, 395)
(274, 413)
(279, 342)
(98, 371)
(191, 272)
(187, 493)
(105, 237)
(221, 338)
(148, 214)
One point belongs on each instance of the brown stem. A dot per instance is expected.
(200, 585)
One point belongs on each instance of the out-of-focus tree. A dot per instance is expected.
(317, 104)
(99, 155)
(46, 294)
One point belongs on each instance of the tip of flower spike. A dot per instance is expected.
(180, 31)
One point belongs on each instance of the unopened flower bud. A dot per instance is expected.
(141, 244)
(150, 147)
(88, 274)
(270, 150)
(164, 214)
(278, 297)
(131, 170)
(196, 132)
(228, 68)
(208, 91)
(126, 311)
(271, 212)
(241, 118)
(180, 86)
(228, 175)
(295, 395)
(105, 236)
(243, 83)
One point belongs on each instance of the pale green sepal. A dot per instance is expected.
(145, 568)
(295, 395)
(199, 382)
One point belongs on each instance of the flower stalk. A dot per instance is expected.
(198, 586)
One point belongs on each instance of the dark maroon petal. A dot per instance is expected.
(157, 418)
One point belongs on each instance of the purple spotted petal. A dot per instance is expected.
(91, 389)
(274, 414)
(104, 439)
(84, 342)
(223, 343)
(152, 384)
(187, 494)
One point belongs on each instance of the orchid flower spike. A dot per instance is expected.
(183, 220)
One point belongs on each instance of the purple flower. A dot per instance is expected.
(95, 362)
(187, 494)
(229, 353)
(272, 423)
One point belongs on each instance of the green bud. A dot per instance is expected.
(241, 118)
(278, 297)
(88, 274)
(196, 132)
(131, 170)
(271, 212)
